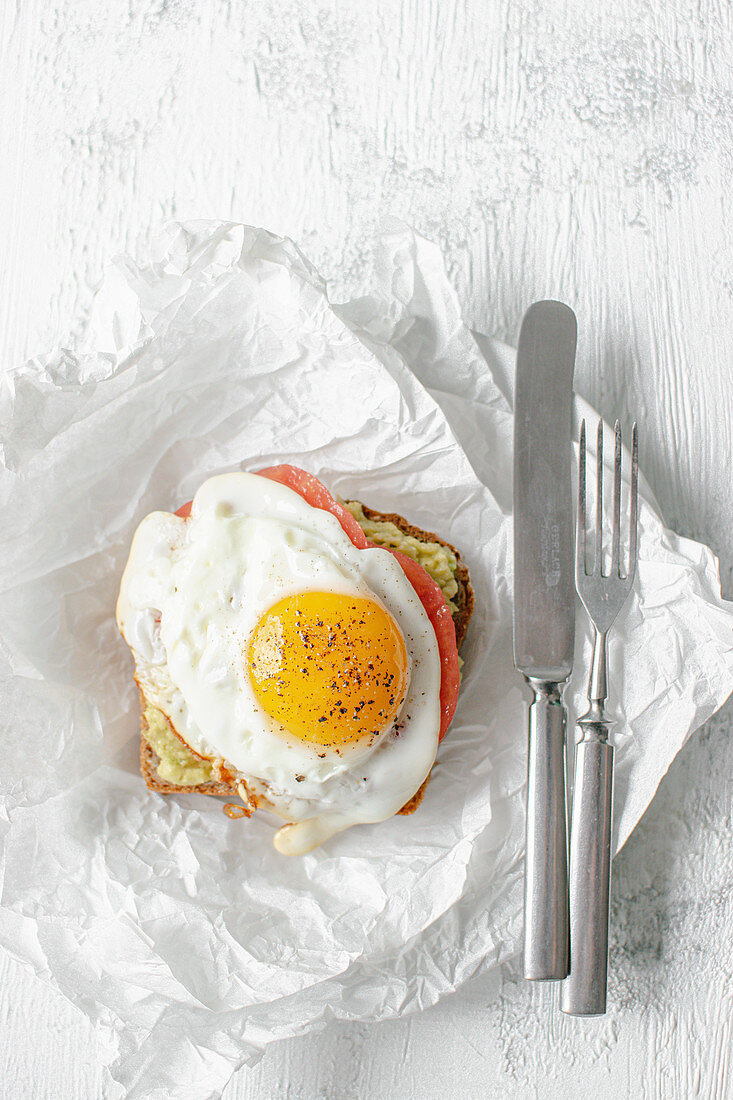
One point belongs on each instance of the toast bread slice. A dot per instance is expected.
(463, 600)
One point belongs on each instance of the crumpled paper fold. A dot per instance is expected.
(183, 935)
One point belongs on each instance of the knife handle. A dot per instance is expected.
(584, 991)
(546, 871)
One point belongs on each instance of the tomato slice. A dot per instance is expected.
(315, 492)
(439, 614)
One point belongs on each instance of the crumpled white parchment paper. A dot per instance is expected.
(184, 936)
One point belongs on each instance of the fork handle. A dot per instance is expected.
(546, 869)
(584, 991)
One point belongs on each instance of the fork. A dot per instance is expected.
(584, 990)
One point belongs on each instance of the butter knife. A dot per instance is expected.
(544, 615)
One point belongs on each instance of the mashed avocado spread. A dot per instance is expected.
(437, 560)
(179, 765)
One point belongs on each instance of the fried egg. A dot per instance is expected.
(274, 644)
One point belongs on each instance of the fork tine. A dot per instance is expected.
(616, 537)
(633, 535)
(580, 566)
(598, 563)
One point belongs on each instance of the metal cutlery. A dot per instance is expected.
(544, 615)
(584, 991)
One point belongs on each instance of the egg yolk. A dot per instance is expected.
(331, 669)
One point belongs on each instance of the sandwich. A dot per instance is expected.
(293, 652)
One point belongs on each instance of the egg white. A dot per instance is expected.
(191, 595)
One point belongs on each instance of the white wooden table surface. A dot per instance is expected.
(570, 148)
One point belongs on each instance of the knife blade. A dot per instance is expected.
(544, 615)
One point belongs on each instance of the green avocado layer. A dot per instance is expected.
(177, 763)
(437, 560)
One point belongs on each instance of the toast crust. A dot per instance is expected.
(464, 601)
